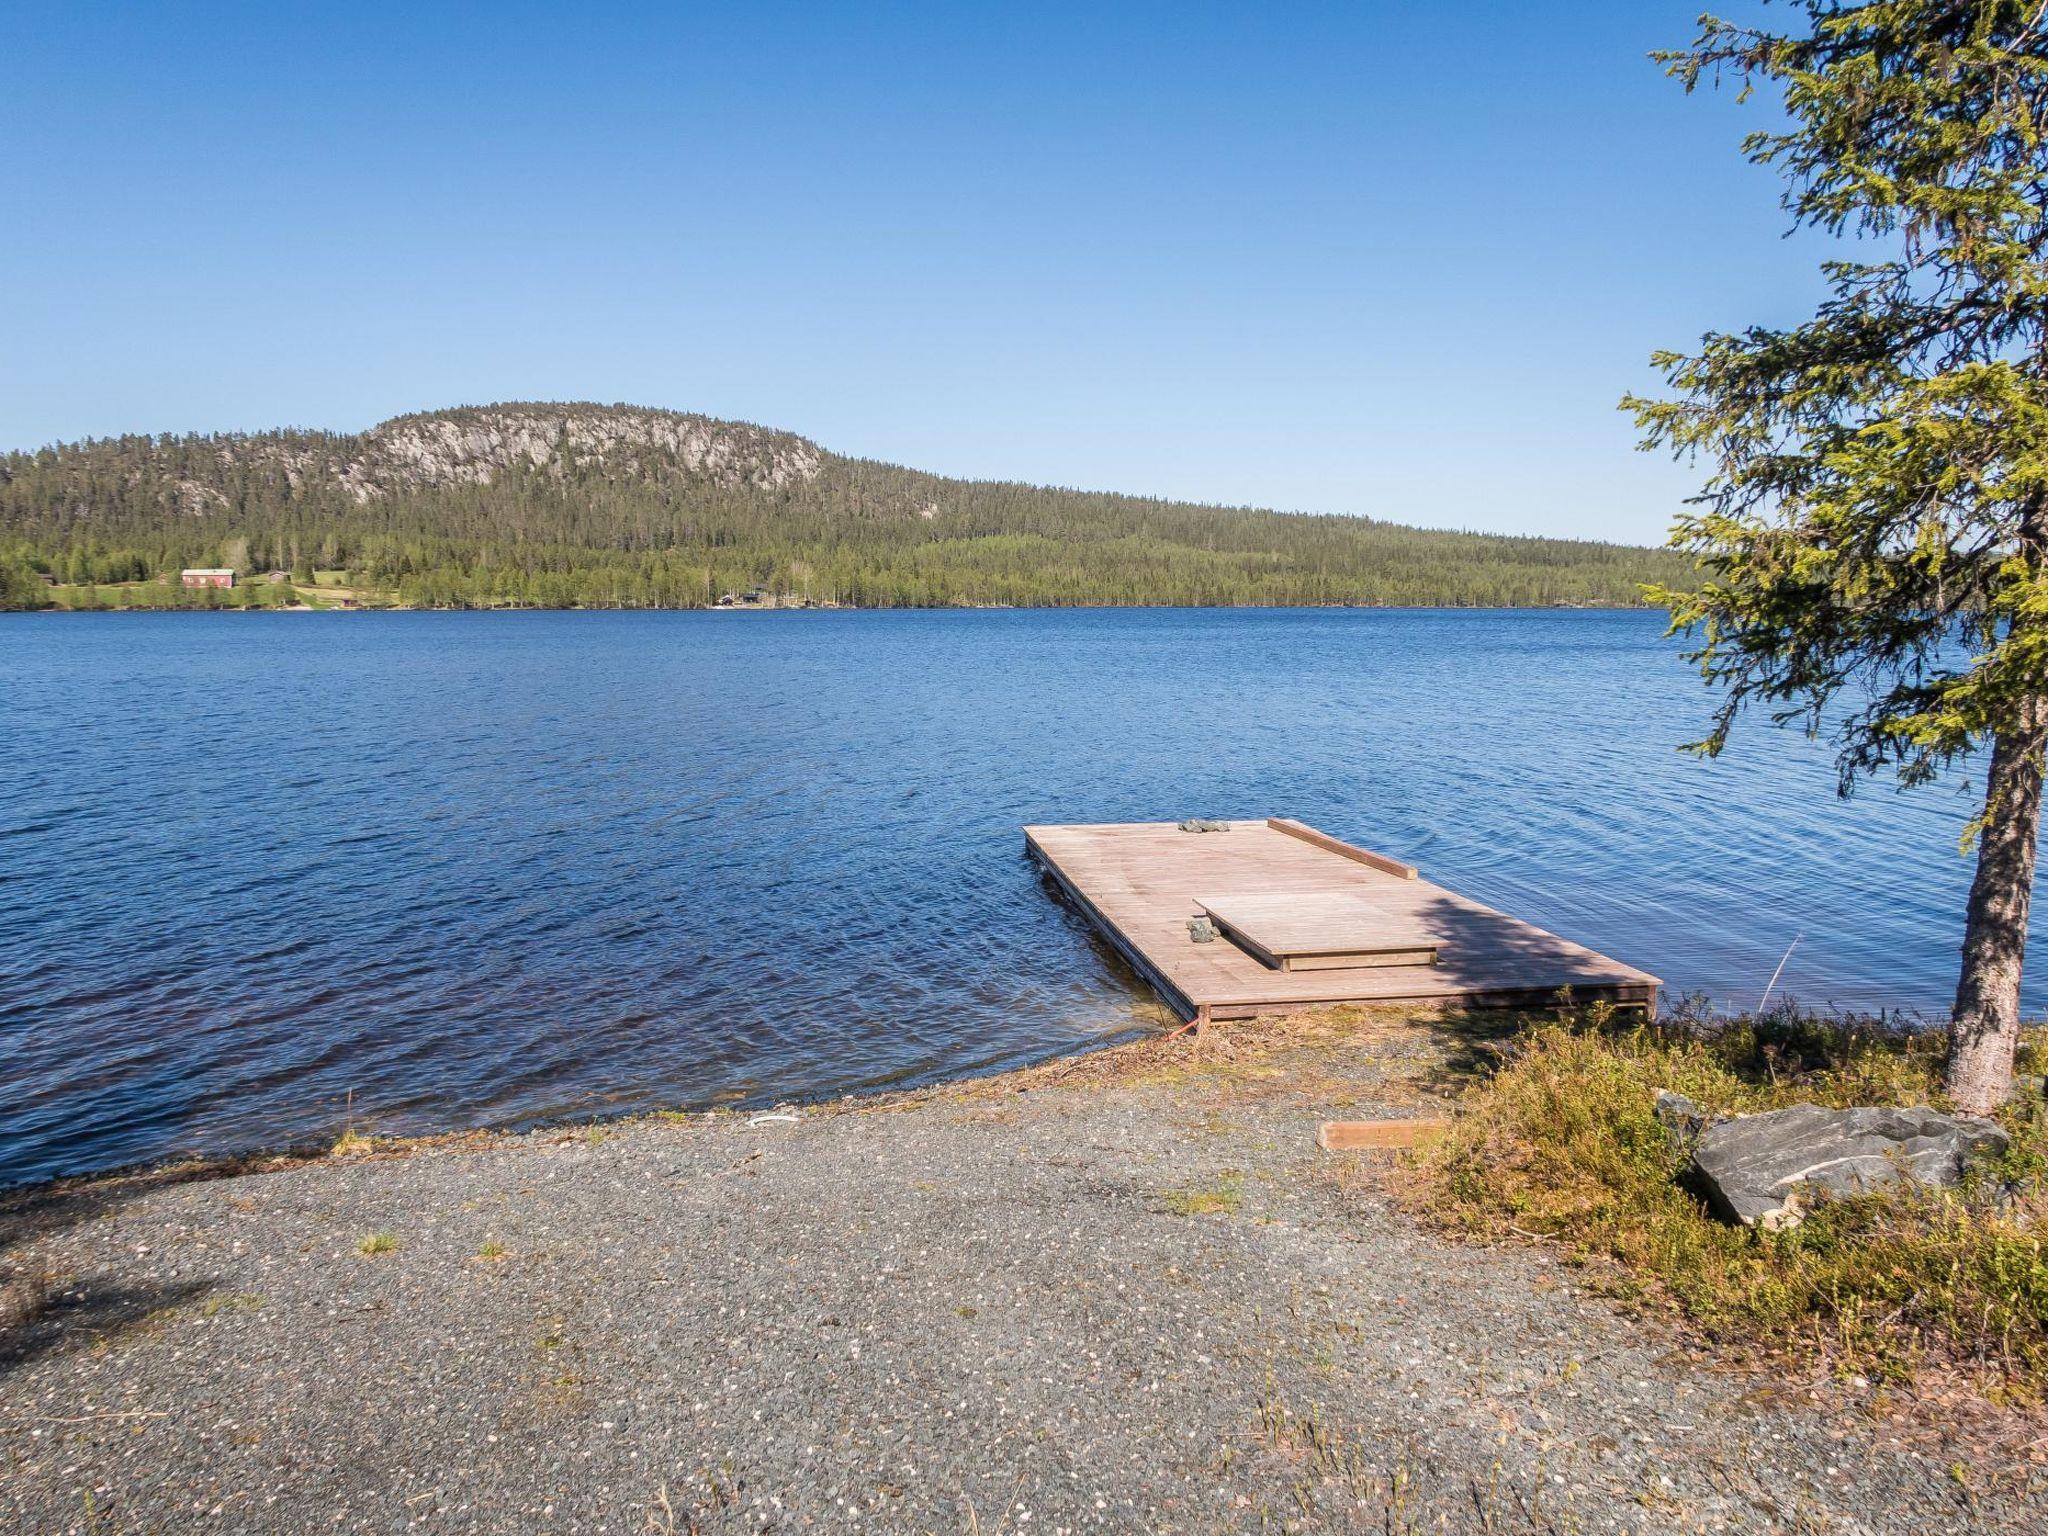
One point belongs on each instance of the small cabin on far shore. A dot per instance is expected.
(208, 577)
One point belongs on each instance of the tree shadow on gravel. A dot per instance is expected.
(1469, 1045)
(42, 1313)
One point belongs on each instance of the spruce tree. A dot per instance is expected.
(1873, 539)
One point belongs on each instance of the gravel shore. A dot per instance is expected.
(1127, 1294)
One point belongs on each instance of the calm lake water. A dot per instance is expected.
(504, 868)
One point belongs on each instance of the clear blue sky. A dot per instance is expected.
(1396, 259)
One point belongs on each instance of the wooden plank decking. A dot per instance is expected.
(1142, 882)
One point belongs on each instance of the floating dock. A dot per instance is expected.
(1302, 920)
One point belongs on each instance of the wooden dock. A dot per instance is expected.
(1304, 920)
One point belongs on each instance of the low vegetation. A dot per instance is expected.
(1222, 1198)
(1562, 1142)
(352, 1143)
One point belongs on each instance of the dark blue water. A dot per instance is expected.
(497, 868)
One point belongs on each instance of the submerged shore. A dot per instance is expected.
(1121, 1292)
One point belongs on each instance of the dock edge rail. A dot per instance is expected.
(1329, 844)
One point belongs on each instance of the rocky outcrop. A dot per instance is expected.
(194, 498)
(1767, 1170)
(474, 447)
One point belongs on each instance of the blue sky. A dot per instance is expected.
(1381, 258)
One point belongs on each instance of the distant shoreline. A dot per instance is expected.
(61, 609)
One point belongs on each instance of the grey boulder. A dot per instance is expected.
(1766, 1170)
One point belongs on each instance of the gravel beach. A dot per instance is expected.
(1123, 1294)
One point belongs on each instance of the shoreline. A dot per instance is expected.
(201, 1167)
(1117, 1290)
(260, 608)
(257, 1161)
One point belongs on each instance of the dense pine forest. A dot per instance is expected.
(561, 506)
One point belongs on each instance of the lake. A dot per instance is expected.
(470, 869)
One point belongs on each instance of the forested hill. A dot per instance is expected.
(617, 506)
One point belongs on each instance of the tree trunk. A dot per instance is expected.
(1987, 1013)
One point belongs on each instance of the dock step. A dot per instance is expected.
(1319, 930)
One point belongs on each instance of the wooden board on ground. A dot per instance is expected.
(1318, 930)
(1138, 883)
(1377, 1135)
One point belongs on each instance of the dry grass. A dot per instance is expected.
(1562, 1143)
(1273, 1054)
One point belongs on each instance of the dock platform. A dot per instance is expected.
(1364, 928)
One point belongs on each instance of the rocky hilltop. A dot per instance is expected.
(476, 446)
(467, 446)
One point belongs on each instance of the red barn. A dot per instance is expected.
(207, 578)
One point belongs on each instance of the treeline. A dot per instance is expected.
(654, 532)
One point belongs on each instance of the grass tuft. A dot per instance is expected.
(1223, 1198)
(375, 1243)
(1562, 1143)
(349, 1143)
